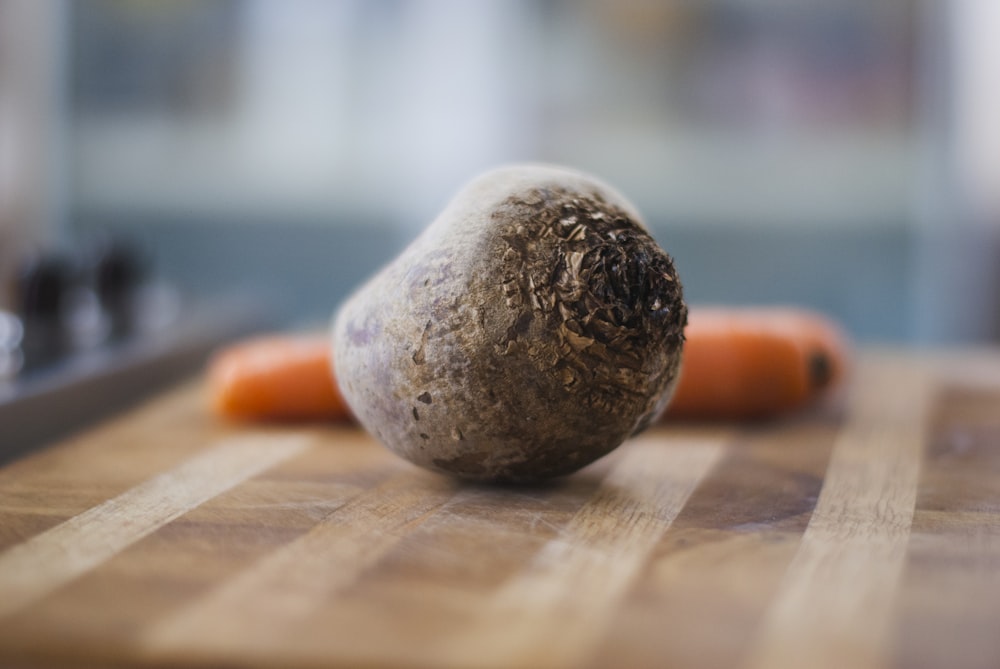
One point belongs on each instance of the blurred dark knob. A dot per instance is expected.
(119, 270)
(42, 285)
(41, 288)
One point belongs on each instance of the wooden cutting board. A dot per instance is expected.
(863, 534)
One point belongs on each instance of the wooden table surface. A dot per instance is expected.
(862, 534)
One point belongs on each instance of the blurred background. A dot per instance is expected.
(839, 155)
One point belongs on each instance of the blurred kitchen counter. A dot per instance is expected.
(863, 534)
(79, 387)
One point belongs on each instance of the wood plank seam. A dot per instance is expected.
(580, 576)
(34, 568)
(833, 607)
(258, 607)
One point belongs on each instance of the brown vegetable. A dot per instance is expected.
(533, 327)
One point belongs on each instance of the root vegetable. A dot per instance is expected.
(531, 329)
(276, 377)
(756, 362)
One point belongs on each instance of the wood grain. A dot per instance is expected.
(833, 606)
(863, 534)
(297, 580)
(41, 564)
(579, 576)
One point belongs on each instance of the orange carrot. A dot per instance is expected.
(756, 362)
(738, 364)
(277, 377)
